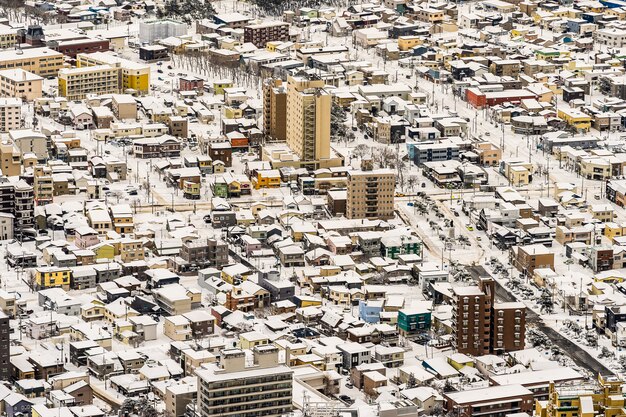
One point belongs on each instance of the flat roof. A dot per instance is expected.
(488, 394)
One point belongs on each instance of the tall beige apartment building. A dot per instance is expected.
(43, 184)
(234, 388)
(10, 114)
(10, 159)
(76, 83)
(371, 194)
(308, 118)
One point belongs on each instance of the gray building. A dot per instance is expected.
(5, 367)
(203, 253)
(353, 354)
(83, 277)
(432, 152)
(107, 272)
(17, 198)
(264, 389)
(223, 219)
(279, 289)
(583, 142)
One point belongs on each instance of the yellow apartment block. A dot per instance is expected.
(135, 76)
(49, 277)
(575, 118)
(584, 400)
(408, 42)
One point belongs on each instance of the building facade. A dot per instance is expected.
(10, 114)
(76, 83)
(266, 32)
(234, 388)
(41, 61)
(308, 118)
(371, 194)
(20, 84)
(274, 109)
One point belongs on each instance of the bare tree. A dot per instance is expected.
(361, 150)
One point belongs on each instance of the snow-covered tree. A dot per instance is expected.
(546, 304)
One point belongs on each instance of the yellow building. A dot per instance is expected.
(191, 190)
(8, 37)
(131, 250)
(229, 273)
(123, 331)
(605, 398)
(177, 328)
(406, 43)
(519, 175)
(48, 277)
(135, 76)
(609, 277)
(603, 212)
(118, 310)
(104, 250)
(308, 118)
(233, 112)
(578, 67)
(40, 61)
(613, 230)
(121, 129)
(92, 311)
(596, 168)
(575, 118)
(43, 184)
(251, 339)
(460, 360)
(269, 178)
(220, 85)
(10, 159)
(291, 349)
(76, 83)
(518, 172)
(308, 301)
(122, 217)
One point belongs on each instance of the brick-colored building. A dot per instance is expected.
(472, 318)
(73, 47)
(191, 83)
(266, 32)
(480, 99)
(274, 109)
(528, 258)
(238, 299)
(482, 326)
(508, 327)
(490, 401)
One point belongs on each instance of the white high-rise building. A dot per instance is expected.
(160, 29)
